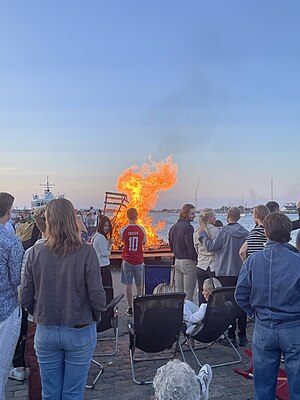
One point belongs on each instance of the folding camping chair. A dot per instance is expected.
(156, 274)
(282, 389)
(109, 320)
(156, 327)
(221, 311)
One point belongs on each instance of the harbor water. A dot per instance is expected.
(247, 221)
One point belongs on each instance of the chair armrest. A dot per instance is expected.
(132, 335)
(130, 327)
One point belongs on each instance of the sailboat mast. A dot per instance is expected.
(196, 194)
(272, 190)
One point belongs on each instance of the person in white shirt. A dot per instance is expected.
(206, 259)
(193, 314)
(102, 243)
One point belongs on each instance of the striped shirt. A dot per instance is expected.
(256, 240)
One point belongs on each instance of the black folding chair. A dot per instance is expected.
(156, 327)
(109, 320)
(221, 310)
(231, 281)
(227, 281)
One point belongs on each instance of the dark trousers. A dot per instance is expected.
(18, 359)
(201, 276)
(242, 324)
(34, 379)
(241, 317)
(106, 276)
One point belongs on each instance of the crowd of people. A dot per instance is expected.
(63, 294)
(264, 268)
(52, 293)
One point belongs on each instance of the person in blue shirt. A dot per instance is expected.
(268, 289)
(11, 254)
(298, 241)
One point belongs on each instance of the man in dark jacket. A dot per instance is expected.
(182, 245)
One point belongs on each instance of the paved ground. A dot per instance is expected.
(116, 382)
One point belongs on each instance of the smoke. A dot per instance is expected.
(293, 192)
(184, 119)
(255, 197)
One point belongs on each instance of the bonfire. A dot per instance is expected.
(143, 185)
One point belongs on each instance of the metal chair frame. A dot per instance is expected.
(112, 306)
(114, 325)
(230, 309)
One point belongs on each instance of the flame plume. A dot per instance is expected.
(142, 186)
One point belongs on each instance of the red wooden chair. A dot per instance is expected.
(282, 390)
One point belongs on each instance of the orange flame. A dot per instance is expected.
(142, 187)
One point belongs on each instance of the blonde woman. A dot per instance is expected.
(206, 259)
(193, 314)
(62, 288)
(163, 288)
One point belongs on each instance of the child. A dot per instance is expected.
(133, 236)
(193, 314)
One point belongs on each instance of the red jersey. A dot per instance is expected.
(133, 236)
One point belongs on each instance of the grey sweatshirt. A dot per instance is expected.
(226, 245)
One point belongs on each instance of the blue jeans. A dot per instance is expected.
(64, 356)
(9, 334)
(267, 345)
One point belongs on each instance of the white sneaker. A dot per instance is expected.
(18, 374)
(204, 376)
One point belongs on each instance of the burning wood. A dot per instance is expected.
(142, 185)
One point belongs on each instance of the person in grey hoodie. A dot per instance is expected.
(226, 246)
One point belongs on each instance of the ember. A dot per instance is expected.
(142, 186)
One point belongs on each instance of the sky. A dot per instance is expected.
(89, 88)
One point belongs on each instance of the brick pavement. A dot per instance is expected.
(116, 382)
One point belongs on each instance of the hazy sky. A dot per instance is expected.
(88, 88)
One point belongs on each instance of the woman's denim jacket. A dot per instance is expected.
(268, 286)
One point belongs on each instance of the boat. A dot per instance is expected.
(42, 200)
(289, 208)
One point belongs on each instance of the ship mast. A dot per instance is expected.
(196, 194)
(272, 190)
(47, 186)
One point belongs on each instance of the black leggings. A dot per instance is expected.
(19, 359)
(106, 276)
